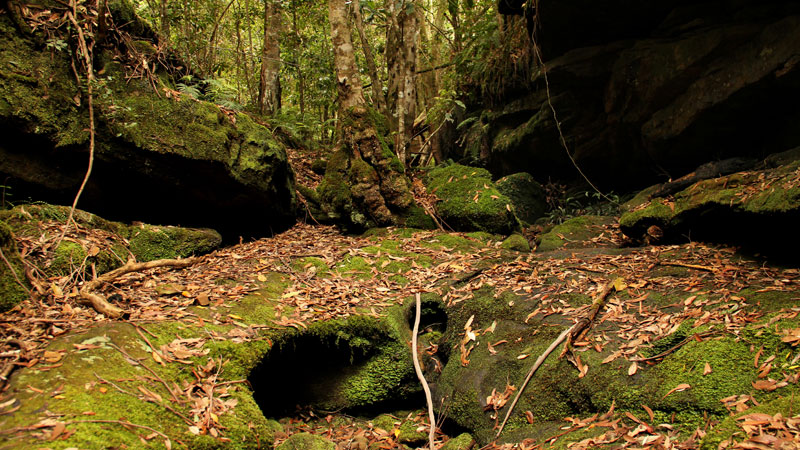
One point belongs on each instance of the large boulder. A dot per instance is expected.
(469, 200)
(642, 92)
(527, 195)
(160, 157)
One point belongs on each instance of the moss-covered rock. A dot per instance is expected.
(578, 232)
(306, 441)
(463, 441)
(764, 205)
(516, 242)
(12, 285)
(157, 158)
(526, 194)
(149, 242)
(470, 201)
(77, 254)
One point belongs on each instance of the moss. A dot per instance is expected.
(729, 428)
(11, 292)
(526, 194)
(461, 442)
(148, 242)
(306, 441)
(67, 257)
(470, 201)
(416, 217)
(516, 242)
(405, 430)
(729, 376)
(574, 233)
(311, 264)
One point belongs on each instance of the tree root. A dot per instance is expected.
(99, 302)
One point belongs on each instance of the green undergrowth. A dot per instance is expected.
(573, 233)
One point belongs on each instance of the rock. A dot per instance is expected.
(318, 166)
(463, 441)
(643, 93)
(404, 430)
(13, 285)
(578, 232)
(145, 242)
(469, 200)
(756, 208)
(516, 242)
(159, 159)
(526, 194)
(306, 441)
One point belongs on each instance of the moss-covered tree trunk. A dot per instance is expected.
(364, 184)
(402, 37)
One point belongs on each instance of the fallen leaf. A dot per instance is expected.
(678, 388)
(707, 369)
(632, 369)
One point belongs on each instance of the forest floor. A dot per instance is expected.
(326, 275)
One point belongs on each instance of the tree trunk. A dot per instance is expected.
(349, 85)
(364, 184)
(301, 79)
(401, 57)
(378, 98)
(269, 88)
(163, 19)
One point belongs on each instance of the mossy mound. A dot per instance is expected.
(526, 194)
(13, 285)
(98, 242)
(306, 441)
(159, 159)
(578, 232)
(764, 206)
(516, 242)
(470, 201)
(353, 363)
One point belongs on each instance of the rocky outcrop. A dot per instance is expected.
(643, 92)
(160, 157)
(39, 226)
(527, 196)
(759, 209)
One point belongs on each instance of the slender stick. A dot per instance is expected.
(533, 370)
(420, 375)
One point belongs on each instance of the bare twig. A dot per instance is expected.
(420, 375)
(675, 347)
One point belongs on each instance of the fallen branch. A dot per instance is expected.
(420, 375)
(99, 302)
(569, 335)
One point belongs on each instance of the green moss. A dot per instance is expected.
(11, 292)
(728, 428)
(404, 429)
(148, 242)
(461, 442)
(417, 218)
(67, 257)
(526, 194)
(729, 376)
(306, 441)
(311, 264)
(516, 242)
(470, 201)
(574, 233)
